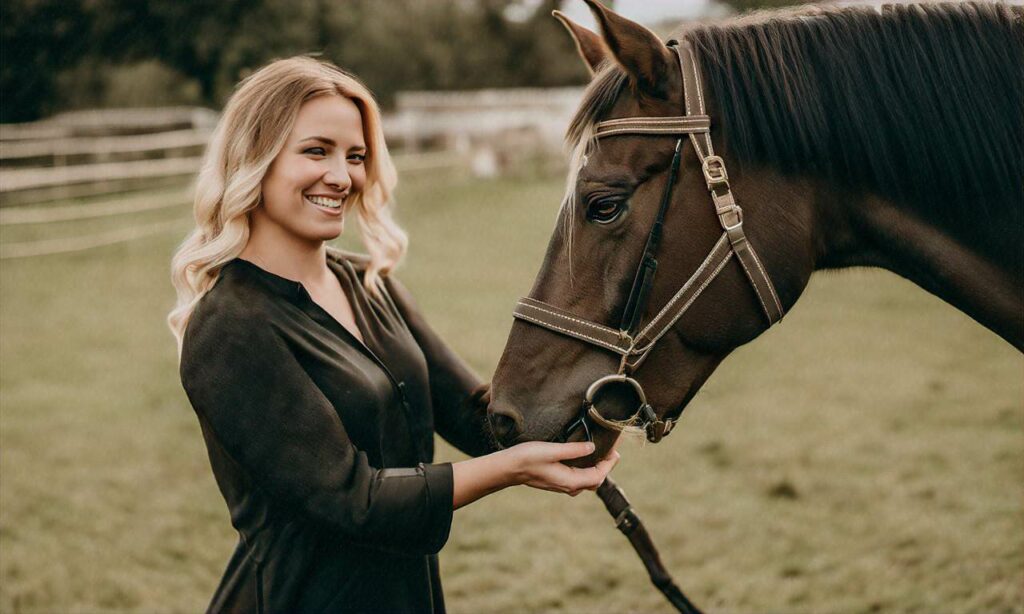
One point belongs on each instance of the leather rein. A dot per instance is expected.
(633, 340)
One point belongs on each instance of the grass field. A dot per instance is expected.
(865, 455)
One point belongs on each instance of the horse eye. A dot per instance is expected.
(605, 211)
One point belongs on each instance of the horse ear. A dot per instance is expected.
(635, 48)
(589, 45)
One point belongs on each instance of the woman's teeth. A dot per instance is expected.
(323, 201)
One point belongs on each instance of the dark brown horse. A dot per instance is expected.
(853, 137)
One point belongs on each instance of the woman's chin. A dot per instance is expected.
(331, 233)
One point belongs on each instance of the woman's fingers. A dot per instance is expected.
(607, 463)
(597, 473)
(566, 451)
(542, 462)
(589, 478)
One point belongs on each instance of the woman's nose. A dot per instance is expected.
(337, 177)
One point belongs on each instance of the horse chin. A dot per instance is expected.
(604, 441)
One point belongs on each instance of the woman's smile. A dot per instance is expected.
(330, 205)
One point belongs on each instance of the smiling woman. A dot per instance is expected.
(311, 178)
(317, 383)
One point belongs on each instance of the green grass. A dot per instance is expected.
(867, 454)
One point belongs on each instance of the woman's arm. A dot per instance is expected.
(460, 412)
(458, 395)
(537, 464)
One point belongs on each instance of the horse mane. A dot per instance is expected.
(921, 103)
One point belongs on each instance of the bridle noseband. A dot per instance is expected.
(632, 341)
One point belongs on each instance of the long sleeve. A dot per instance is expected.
(273, 421)
(459, 397)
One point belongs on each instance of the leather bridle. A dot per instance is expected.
(633, 340)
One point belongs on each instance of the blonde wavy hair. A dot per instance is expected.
(251, 132)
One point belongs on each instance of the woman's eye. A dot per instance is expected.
(357, 158)
(605, 211)
(316, 151)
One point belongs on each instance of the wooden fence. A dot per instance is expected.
(104, 155)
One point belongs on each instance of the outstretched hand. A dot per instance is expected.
(539, 464)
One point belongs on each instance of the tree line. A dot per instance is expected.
(59, 54)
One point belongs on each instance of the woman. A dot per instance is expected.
(316, 382)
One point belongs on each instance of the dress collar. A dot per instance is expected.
(279, 285)
(339, 262)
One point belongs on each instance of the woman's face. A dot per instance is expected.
(319, 169)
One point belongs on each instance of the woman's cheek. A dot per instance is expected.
(358, 175)
(312, 171)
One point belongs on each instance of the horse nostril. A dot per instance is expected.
(505, 425)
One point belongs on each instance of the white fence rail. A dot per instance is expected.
(16, 216)
(482, 116)
(90, 153)
(108, 122)
(36, 178)
(62, 151)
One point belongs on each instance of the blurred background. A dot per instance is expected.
(865, 455)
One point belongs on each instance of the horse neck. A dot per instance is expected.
(923, 132)
(976, 268)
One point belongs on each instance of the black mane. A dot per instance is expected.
(920, 103)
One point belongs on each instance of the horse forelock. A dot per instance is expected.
(598, 99)
(577, 158)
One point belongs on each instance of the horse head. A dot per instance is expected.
(613, 196)
(866, 138)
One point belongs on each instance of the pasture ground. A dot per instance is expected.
(865, 455)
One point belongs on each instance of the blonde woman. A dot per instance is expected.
(317, 384)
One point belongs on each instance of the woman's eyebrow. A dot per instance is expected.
(327, 141)
(322, 139)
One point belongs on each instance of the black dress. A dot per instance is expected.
(321, 445)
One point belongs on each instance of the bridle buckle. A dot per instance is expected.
(729, 213)
(656, 428)
(715, 174)
(733, 211)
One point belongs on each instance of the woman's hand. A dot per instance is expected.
(539, 464)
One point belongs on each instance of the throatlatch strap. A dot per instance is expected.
(693, 94)
(730, 216)
(756, 274)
